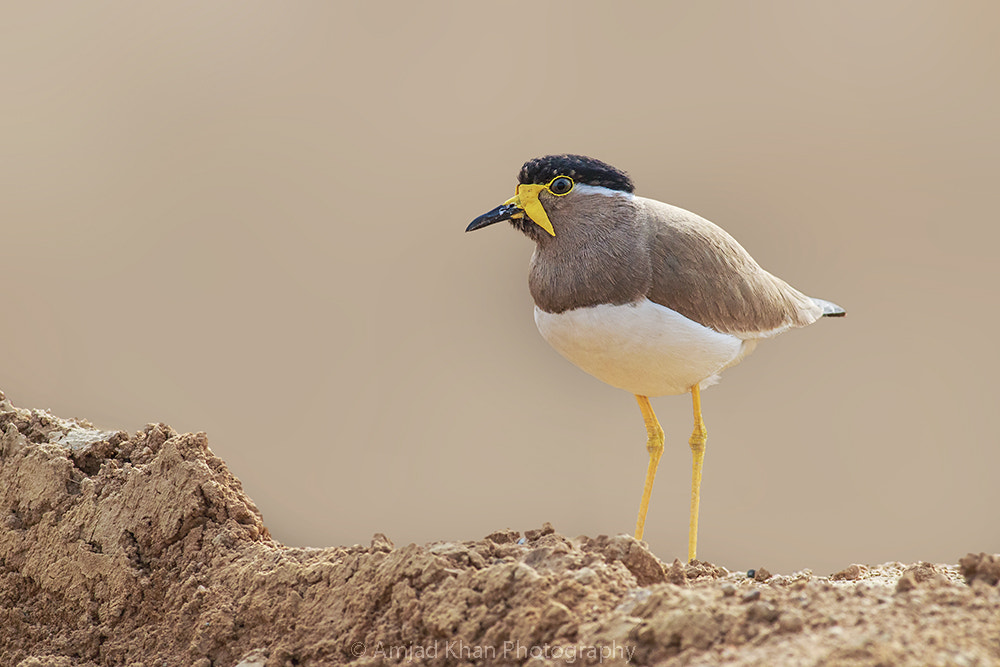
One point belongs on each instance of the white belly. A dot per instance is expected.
(643, 348)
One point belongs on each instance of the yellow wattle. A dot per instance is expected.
(527, 198)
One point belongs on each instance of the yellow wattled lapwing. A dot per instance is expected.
(643, 295)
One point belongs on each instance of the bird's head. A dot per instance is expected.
(550, 185)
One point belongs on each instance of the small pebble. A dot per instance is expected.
(750, 596)
(762, 612)
(907, 582)
(790, 623)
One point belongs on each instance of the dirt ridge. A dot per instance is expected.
(143, 549)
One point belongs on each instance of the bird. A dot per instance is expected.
(645, 296)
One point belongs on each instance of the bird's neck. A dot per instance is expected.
(589, 264)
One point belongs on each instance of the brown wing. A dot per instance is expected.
(701, 272)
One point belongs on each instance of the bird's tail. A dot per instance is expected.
(830, 309)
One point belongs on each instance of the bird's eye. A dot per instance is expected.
(561, 185)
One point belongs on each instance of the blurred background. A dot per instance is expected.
(247, 218)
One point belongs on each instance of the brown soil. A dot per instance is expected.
(119, 549)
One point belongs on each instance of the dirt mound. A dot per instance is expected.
(119, 549)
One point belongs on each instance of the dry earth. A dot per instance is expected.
(142, 549)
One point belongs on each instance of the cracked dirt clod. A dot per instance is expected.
(120, 549)
(849, 573)
(981, 567)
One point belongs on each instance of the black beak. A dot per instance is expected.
(499, 214)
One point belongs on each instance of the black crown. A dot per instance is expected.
(580, 168)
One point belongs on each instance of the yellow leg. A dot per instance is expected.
(698, 439)
(655, 447)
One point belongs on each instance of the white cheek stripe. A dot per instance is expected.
(643, 348)
(585, 189)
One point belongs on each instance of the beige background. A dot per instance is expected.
(247, 218)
